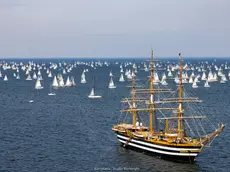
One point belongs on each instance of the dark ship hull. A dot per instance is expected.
(173, 153)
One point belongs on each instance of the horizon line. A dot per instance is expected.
(224, 57)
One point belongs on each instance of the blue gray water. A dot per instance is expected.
(69, 132)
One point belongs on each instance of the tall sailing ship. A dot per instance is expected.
(166, 130)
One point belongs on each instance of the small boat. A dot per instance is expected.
(83, 80)
(38, 85)
(68, 83)
(28, 78)
(31, 101)
(92, 93)
(50, 74)
(206, 84)
(55, 82)
(5, 78)
(111, 84)
(60, 81)
(194, 85)
(164, 82)
(18, 76)
(121, 79)
(34, 75)
(72, 81)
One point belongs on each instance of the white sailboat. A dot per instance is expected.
(55, 82)
(190, 80)
(64, 71)
(28, 78)
(194, 85)
(5, 78)
(92, 96)
(121, 79)
(170, 73)
(60, 81)
(50, 74)
(72, 81)
(203, 76)
(68, 83)
(18, 76)
(83, 80)
(111, 84)
(163, 82)
(38, 85)
(206, 84)
(34, 75)
(129, 76)
(222, 80)
(92, 93)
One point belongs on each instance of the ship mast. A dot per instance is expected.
(151, 97)
(180, 110)
(134, 112)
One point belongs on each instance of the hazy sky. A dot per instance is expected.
(114, 28)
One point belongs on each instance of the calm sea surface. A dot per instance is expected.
(69, 132)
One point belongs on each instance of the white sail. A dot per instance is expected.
(206, 84)
(156, 77)
(163, 77)
(60, 81)
(163, 82)
(38, 85)
(34, 76)
(50, 74)
(194, 85)
(111, 84)
(203, 76)
(170, 73)
(28, 78)
(72, 81)
(190, 80)
(55, 82)
(64, 71)
(121, 79)
(40, 77)
(176, 80)
(222, 80)
(39, 73)
(68, 83)
(83, 80)
(5, 78)
(110, 74)
(18, 76)
(92, 92)
(92, 95)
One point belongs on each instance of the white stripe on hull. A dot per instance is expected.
(158, 146)
(157, 151)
